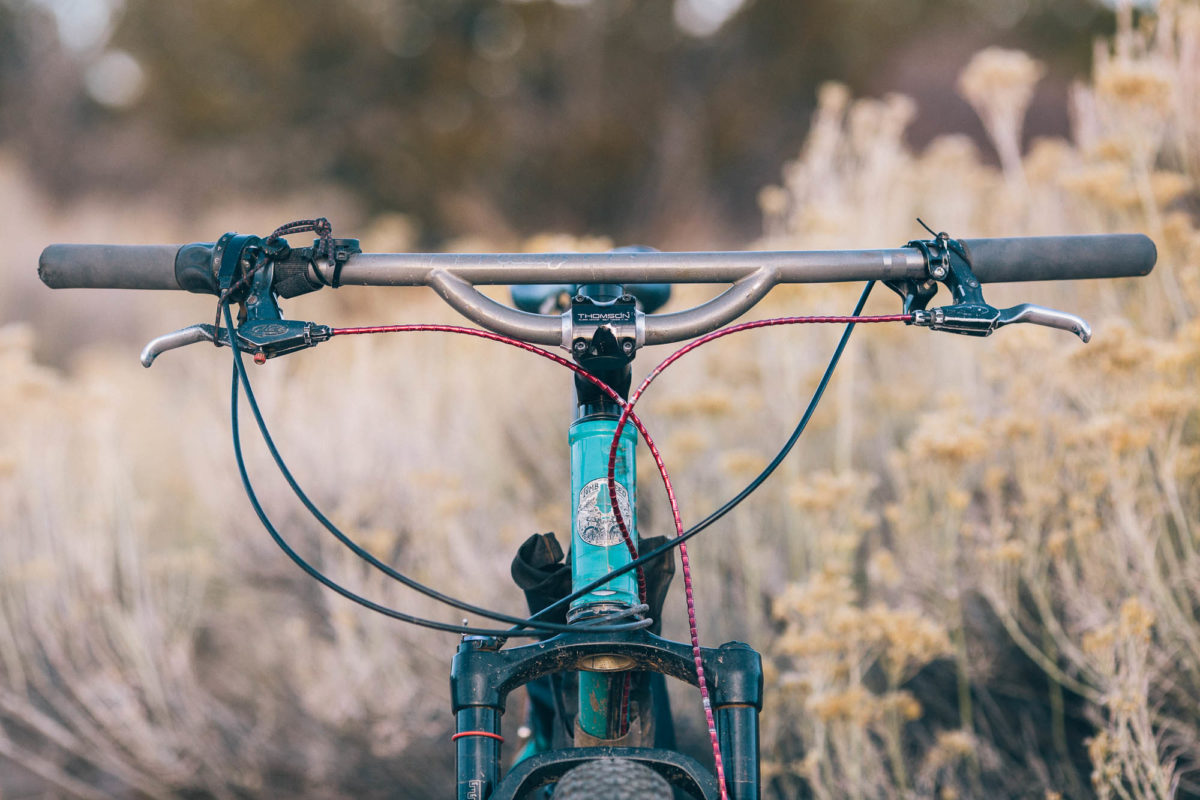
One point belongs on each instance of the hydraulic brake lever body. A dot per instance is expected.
(262, 331)
(950, 263)
(261, 338)
(980, 319)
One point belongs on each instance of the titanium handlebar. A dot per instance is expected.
(751, 274)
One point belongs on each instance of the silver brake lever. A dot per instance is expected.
(169, 341)
(1051, 318)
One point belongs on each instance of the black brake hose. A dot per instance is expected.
(744, 493)
(538, 627)
(532, 623)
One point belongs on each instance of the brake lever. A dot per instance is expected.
(1049, 317)
(980, 319)
(262, 338)
(192, 334)
(950, 263)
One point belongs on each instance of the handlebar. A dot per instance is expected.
(455, 276)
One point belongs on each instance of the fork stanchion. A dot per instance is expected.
(737, 730)
(737, 699)
(477, 710)
(477, 751)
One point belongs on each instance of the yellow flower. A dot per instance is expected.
(947, 437)
(957, 499)
(565, 243)
(1000, 77)
(903, 704)
(1106, 183)
(1047, 160)
(773, 201)
(1143, 84)
(714, 402)
(1010, 552)
(882, 569)
(1168, 187)
(854, 704)
(1056, 544)
(1098, 643)
(1136, 620)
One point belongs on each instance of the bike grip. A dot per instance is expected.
(125, 266)
(1058, 258)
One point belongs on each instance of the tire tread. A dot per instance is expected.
(612, 779)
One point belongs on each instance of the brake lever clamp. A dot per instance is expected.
(949, 262)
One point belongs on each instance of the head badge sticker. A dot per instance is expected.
(595, 520)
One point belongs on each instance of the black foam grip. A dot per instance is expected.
(109, 266)
(1057, 258)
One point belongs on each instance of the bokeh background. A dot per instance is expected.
(977, 577)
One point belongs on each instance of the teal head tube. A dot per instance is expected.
(596, 542)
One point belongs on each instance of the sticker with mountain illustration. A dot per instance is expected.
(595, 520)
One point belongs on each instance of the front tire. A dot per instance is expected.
(612, 779)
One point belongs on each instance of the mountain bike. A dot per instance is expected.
(595, 670)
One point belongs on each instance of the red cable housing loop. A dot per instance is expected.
(627, 415)
(683, 554)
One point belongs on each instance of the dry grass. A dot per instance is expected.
(956, 499)
(1056, 482)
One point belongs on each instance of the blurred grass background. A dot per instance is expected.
(978, 577)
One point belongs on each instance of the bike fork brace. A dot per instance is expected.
(483, 675)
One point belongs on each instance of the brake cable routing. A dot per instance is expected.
(262, 304)
(536, 627)
(733, 502)
(952, 266)
(626, 416)
(968, 314)
(916, 295)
